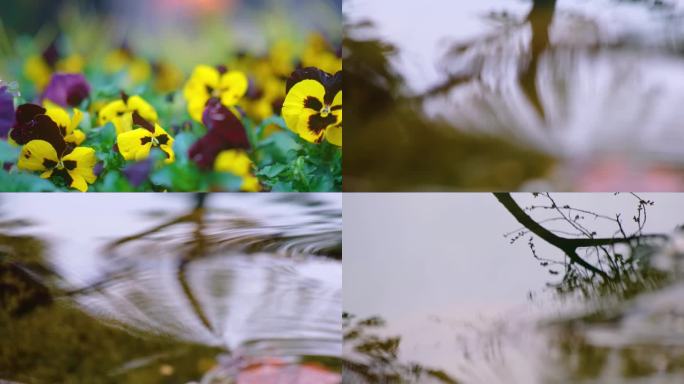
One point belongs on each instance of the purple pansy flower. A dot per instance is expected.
(138, 172)
(6, 111)
(66, 89)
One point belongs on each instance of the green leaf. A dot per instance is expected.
(102, 138)
(24, 182)
(163, 177)
(8, 152)
(181, 176)
(182, 143)
(323, 183)
(283, 186)
(226, 181)
(271, 171)
(280, 147)
(115, 181)
(275, 119)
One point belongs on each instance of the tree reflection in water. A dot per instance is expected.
(621, 289)
(257, 298)
(569, 96)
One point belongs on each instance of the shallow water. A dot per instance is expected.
(450, 299)
(593, 85)
(227, 286)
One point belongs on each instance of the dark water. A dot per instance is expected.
(506, 95)
(449, 288)
(170, 288)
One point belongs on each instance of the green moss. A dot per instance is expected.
(61, 344)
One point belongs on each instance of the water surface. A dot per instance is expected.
(441, 295)
(216, 288)
(507, 95)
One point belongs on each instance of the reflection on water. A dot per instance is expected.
(219, 288)
(594, 86)
(524, 289)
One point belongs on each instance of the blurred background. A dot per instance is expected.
(181, 33)
(515, 95)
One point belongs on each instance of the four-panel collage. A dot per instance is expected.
(174, 203)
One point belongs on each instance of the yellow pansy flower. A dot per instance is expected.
(238, 163)
(137, 143)
(208, 82)
(313, 105)
(38, 71)
(318, 53)
(50, 154)
(71, 64)
(67, 124)
(137, 68)
(167, 77)
(120, 112)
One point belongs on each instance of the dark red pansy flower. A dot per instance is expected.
(67, 89)
(24, 122)
(31, 123)
(6, 111)
(225, 132)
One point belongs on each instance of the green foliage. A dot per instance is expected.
(8, 153)
(287, 164)
(17, 181)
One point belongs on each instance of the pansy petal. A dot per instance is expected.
(78, 182)
(27, 112)
(196, 107)
(147, 111)
(6, 111)
(37, 155)
(123, 123)
(334, 135)
(226, 131)
(41, 128)
(312, 126)
(111, 111)
(61, 118)
(37, 70)
(80, 164)
(198, 89)
(135, 144)
(170, 155)
(233, 85)
(76, 137)
(250, 184)
(207, 75)
(238, 163)
(139, 71)
(46, 174)
(66, 89)
(165, 143)
(337, 101)
(234, 161)
(75, 120)
(202, 80)
(305, 95)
